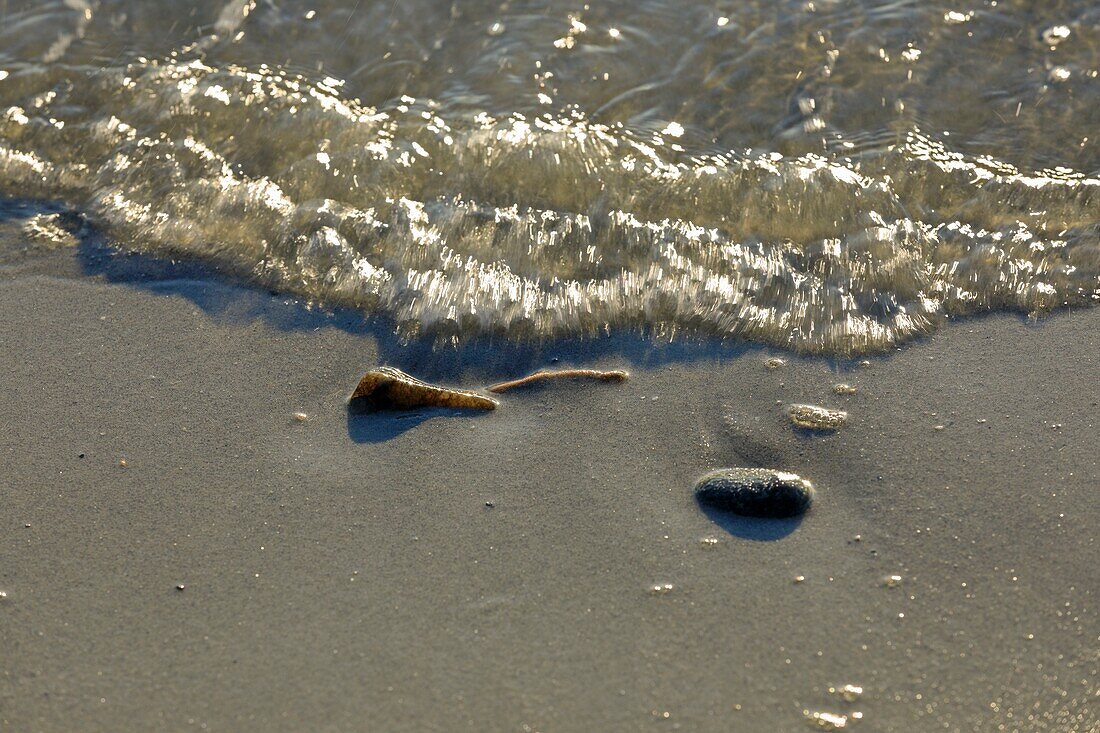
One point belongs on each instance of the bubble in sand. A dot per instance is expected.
(830, 721)
(755, 492)
(661, 589)
(812, 417)
(1055, 34)
(848, 693)
(1059, 74)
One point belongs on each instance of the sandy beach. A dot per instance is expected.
(180, 553)
(216, 217)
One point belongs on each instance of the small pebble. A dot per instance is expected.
(775, 363)
(799, 578)
(892, 581)
(844, 389)
(301, 417)
(661, 588)
(865, 363)
(181, 587)
(122, 463)
(812, 417)
(490, 504)
(755, 492)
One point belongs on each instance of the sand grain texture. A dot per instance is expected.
(339, 571)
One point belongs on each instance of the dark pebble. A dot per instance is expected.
(755, 492)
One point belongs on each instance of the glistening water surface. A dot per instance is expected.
(822, 175)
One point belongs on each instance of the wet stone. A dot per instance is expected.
(755, 492)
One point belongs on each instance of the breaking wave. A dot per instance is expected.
(526, 216)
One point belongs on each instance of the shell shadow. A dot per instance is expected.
(367, 425)
(758, 529)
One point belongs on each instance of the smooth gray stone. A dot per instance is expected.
(756, 492)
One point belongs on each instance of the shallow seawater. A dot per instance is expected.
(825, 176)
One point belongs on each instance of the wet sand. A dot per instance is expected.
(496, 572)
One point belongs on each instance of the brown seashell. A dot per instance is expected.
(386, 388)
